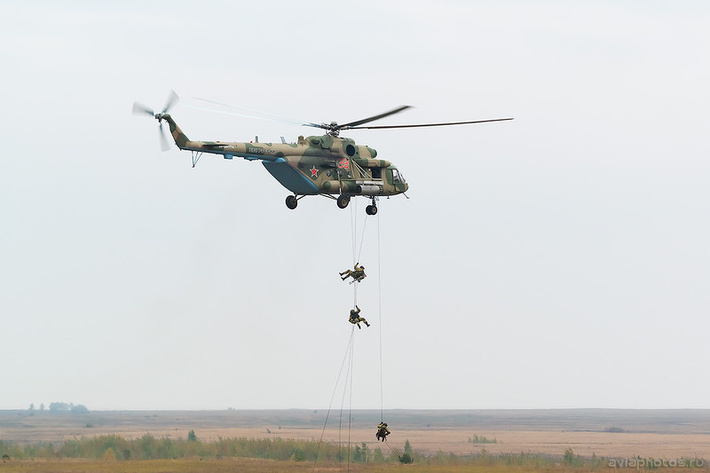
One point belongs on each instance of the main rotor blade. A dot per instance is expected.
(235, 114)
(172, 99)
(425, 124)
(314, 125)
(376, 117)
(263, 115)
(140, 108)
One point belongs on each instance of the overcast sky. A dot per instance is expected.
(559, 260)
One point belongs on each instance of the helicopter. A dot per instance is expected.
(327, 165)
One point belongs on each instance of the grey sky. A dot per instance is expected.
(559, 260)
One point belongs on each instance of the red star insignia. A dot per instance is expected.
(314, 171)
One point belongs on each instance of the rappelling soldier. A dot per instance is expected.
(357, 273)
(382, 432)
(355, 318)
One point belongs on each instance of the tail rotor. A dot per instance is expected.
(140, 109)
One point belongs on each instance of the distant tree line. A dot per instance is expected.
(62, 407)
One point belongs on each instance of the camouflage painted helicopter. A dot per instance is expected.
(326, 165)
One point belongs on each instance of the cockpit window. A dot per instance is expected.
(397, 176)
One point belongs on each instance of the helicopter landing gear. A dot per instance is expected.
(372, 209)
(291, 202)
(343, 201)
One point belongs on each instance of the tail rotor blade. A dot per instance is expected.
(172, 100)
(142, 109)
(164, 145)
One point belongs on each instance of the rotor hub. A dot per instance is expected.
(332, 128)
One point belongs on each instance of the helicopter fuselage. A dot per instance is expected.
(326, 165)
(314, 165)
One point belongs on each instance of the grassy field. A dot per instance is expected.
(243, 465)
(534, 440)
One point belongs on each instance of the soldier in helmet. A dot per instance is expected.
(355, 318)
(382, 431)
(357, 273)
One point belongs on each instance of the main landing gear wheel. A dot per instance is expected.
(371, 210)
(291, 202)
(343, 201)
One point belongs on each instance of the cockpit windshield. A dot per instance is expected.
(397, 176)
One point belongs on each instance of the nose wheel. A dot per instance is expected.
(291, 202)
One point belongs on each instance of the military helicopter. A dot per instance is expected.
(326, 165)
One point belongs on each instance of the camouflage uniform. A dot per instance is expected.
(355, 318)
(382, 431)
(357, 273)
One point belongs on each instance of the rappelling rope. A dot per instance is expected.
(348, 356)
(353, 237)
(348, 381)
(392, 449)
(357, 259)
(362, 239)
(379, 307)
(353, 228)
(350, 402)
(357, 253)
(349, 352)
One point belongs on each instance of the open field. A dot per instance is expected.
(604, 432)
(245, 465)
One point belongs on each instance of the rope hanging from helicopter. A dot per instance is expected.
(357, 253)
(347, 364)
(348, 385)
(379, 311)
